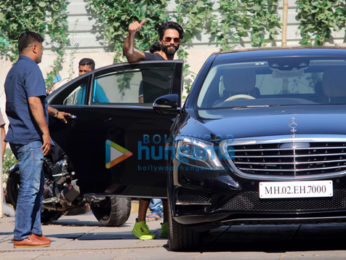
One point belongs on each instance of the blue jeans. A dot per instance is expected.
(29, 201)
(155, 206)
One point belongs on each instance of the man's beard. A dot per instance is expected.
(170, 51)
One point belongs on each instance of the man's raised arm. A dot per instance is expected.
(129, 50)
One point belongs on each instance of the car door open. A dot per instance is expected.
(118, 142)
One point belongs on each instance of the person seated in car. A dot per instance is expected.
(86, 65)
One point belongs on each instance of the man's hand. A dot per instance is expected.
(58, 114)
(129, 50)
(62, 116)
(135, 26)
(46, 144)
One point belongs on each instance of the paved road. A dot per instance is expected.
(81, 237)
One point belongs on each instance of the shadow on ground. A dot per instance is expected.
(79, 223)
(275, 238)
(242, 238)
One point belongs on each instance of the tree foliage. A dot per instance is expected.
(318, 18)
(196, 17)
(256, 19)
(226, 22)
(114, 17)
(47, 17)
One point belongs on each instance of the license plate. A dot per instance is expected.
(295, 189)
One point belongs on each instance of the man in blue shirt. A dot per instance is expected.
(86, 65)
(29, 137)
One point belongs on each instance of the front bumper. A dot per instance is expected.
(218, 197)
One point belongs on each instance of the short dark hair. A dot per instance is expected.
(155, 47)
(170, 25)
(27, 38)
(87, 61)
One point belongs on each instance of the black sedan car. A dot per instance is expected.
(260, 138)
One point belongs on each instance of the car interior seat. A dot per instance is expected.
(240, 82)
(334, 85)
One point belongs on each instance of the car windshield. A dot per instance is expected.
(279, 81)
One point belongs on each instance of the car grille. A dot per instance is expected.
(191, 197)
(250, 201)
(288, 158)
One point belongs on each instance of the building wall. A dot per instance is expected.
(85, 42)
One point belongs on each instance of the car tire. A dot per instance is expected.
(181, 237)
(112, 211)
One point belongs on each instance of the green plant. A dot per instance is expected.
(47, 17)
(71, 68)
(9, 161)
(257, 19)
(265, 21)
(114, 17)
(57, 31)
(318, 18)
(195, 17)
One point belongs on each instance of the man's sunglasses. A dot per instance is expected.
(169, 39)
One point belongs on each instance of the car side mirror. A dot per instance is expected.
(166, 105)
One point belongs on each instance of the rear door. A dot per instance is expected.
(117, 142)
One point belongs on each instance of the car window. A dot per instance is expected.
(284, 81)
(140, 86)
(78, 95)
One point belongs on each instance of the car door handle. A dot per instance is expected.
(72, 116)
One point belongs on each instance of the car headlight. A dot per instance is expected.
(198, 153)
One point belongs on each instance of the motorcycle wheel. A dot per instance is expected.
(12, 187)
(112, 211)
(48, 216)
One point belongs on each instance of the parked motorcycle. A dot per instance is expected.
(62, 196)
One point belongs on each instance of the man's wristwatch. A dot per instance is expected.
(57, 113)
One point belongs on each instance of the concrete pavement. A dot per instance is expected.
(81, 237)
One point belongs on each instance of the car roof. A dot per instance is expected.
(281, 52)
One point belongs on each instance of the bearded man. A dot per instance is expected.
(170, 35)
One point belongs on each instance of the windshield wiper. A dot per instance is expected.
(251, 106)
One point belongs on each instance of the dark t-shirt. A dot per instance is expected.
(155, 83)
(152, 56)
(24, 80)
